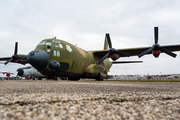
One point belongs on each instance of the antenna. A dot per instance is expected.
(52, 31)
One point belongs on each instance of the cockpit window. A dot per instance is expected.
(48, 43)
(42, 42)
(57, 45)
(56, 53)
(60, 45)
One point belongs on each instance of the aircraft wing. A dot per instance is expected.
(21, 60)
(4, 72)
(135, 51)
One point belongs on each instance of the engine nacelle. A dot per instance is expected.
(114, 56)
(156, 53)
(55, 65)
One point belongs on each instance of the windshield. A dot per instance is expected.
(45, 43)
(48, 43)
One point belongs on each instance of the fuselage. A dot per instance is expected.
(67, 60)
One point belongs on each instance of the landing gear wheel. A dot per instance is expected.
(64, 78)
(74, 79)
(98, 78)
(55, 78)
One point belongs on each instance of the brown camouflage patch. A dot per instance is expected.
(81, 51)
(88, 69)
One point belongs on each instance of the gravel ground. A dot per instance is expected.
(68, 100)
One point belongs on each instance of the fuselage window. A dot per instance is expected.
(58, 53)
(69, 48)
(54, 52)
(48, 43)
(60, 45)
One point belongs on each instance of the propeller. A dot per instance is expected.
(156, 46)
(112, 51)
(15, 56)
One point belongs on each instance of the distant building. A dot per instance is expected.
(145, 77)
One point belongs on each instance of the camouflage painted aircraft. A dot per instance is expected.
(57, 58)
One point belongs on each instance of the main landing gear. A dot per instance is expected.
(73, 79)
(99, 78)
(52, 77)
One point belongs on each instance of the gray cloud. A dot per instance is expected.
(85, 23)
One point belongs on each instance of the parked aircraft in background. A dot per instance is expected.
(8, 74)
(57, 58)
(29, 73)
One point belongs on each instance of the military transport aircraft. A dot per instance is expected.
(57, 58)
(8, 74)
(27, 72)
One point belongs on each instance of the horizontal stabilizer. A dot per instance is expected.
(121, 62)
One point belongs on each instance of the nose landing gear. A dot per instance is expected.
(55, 78)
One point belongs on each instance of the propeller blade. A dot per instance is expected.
(16, 48)
(109, 40)
(156, 34)
(15, 56)
(145, 52)
(111, 50)
(123, 53)
(168, 52)
(8, 61)
(100, 61)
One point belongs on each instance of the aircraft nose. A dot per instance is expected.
(39, 59)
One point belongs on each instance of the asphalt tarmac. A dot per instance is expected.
(28, 99)
(42, 86)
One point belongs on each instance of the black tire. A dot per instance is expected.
(55, 78)
(64, 78)
(74, 79)
(98, 78)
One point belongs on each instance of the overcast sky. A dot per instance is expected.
(84, 22)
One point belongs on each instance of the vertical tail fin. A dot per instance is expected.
(106, 45)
